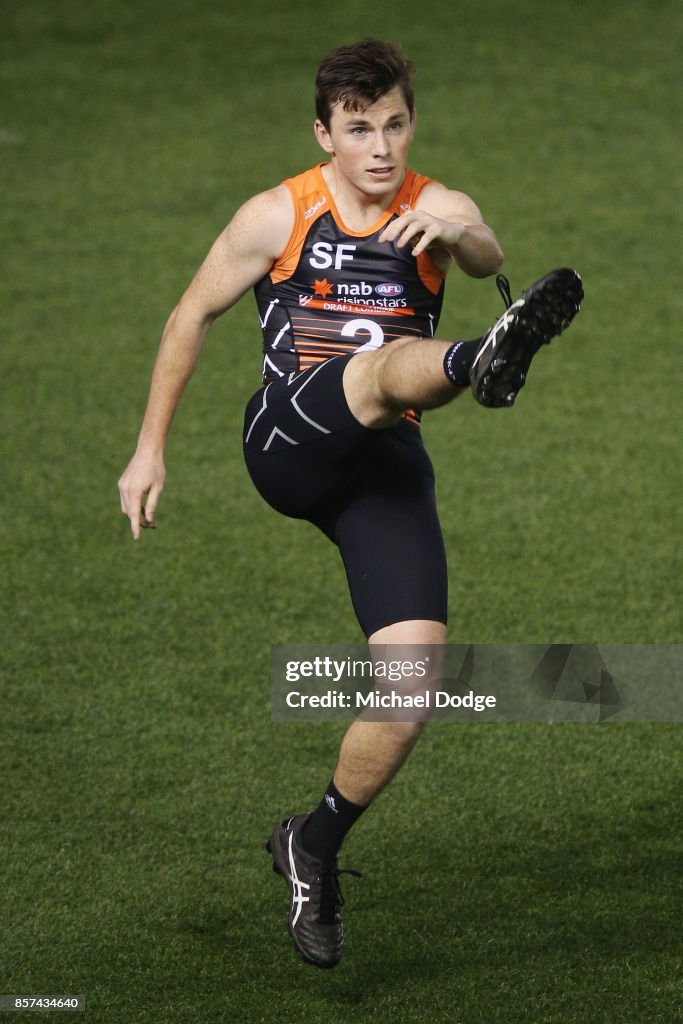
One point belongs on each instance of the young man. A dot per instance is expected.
(348, 262)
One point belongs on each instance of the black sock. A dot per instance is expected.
(324, 831)
(458, 361)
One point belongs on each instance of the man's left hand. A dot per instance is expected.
(423, 230)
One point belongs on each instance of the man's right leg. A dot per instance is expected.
(387, 529)
(373, 750)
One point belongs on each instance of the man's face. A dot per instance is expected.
(370, 147)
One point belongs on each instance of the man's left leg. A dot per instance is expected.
(427, 373)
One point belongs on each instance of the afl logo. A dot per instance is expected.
(388, 290)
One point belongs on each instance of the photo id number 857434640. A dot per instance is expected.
(41, 1002)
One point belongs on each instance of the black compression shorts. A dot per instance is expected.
(369, 491)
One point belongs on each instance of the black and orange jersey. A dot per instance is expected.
(334, 291)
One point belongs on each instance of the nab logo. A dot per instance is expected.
(389, 290)
(327, 254)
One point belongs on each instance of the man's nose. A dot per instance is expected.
(381, 145)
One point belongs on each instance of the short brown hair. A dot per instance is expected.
(357, 75)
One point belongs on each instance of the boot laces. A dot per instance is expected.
(331, 899)
(503, 286)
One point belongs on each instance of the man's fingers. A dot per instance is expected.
(389, 232)
(139, 490)
(131, 506)
(150, 507)
(410, 226)
(134, 517)
(422, 243)
(395, 227)
(412, 233)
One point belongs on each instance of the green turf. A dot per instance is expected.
(512, 873)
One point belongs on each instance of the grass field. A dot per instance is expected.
(511, 873)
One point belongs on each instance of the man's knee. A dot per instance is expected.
(365, 394)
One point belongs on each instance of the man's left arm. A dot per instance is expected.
(450, 225)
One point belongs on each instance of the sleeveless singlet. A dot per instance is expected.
(334, 291)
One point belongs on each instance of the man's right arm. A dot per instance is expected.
(241, 255)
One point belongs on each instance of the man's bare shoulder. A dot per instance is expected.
(265, 221)
(448, 203)
(243, 252)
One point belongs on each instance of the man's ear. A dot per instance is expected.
(413, 119)
(323, 137)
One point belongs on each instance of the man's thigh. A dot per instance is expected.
(370, 491)
(302, 444)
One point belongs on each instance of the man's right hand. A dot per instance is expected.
(144, 475)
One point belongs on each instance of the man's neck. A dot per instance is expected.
(357, 209)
